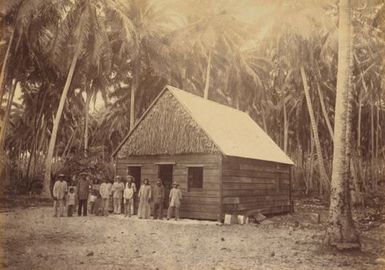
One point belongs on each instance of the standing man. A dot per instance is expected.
(59, 193)
(83, 189)
(105, 192)
(117, 194)
(158, 195)
(175, 200)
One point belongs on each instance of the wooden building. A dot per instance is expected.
(222, 160)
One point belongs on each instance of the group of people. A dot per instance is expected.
(111, 196)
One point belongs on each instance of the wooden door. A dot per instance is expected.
(165, 172)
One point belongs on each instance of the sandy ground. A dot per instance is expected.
(31, 238)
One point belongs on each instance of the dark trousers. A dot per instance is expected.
(158, 210)
(70, 210)
(82, 204)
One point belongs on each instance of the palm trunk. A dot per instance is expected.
(37, 119)
(359, 123)
(42, 136)
(310, 185)
(372, 146)
(263, 111)
(6, 116)
(340, 232)
(3, 68)
(134, 87)
(324, 112)
(377, 129)
(324, 177)
(207, 82)
(63, 155)
(3, 165)
(51, 147)
(86, 119)
(285, 127)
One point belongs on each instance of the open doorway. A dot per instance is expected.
(165, 172)
(136, 172)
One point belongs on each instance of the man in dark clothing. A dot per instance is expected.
(83, 188)
(158, 195)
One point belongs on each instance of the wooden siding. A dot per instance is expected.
(250, 185)
(199, 204)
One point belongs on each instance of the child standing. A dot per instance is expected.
(175, 201)
(71, 202)
(92, 200)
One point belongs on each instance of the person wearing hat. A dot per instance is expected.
(117, 194)
(59, 193)
(83, 189)
(175, 201)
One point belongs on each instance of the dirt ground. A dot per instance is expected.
(31, 238)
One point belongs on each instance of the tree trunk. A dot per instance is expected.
(324, 177)
(6, 116)
(324, 112)
(3, 165)
(340, 232)
(51, 147)
(372, 146)
(310, 161)
(66, 148)
(285, 127)
(359, 123)
(207, 82)
(377, 129)
(134, 87)
(86, 118)
(3, 68)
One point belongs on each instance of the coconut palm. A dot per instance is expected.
(340, 231)
(151, 22)
(83, 35)
(215, 30)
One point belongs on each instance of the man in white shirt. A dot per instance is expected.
(59, 193)
(105, 193)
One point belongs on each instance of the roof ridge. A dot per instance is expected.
(203, 99)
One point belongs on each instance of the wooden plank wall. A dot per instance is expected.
(255, 185)
(202, 204)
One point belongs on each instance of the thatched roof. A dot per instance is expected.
(177, 117)
(166, 128)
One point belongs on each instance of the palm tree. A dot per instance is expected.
(215, 25)
(340, 232)
(31, 22)
(296, 47)
(151, 22)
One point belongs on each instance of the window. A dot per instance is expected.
(195, 178)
